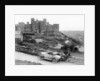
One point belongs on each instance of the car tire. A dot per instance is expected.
(54, 60)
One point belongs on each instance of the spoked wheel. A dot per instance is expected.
(54, 60)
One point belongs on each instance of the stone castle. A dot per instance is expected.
(37, 26)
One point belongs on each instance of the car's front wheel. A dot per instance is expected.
(54, 60)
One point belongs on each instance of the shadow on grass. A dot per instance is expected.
(20, 62)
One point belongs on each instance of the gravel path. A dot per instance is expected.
(76, 59)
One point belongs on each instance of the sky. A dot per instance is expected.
(66, 22)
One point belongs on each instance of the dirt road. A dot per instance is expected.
(32, 58)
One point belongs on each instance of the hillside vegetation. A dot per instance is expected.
(77, 35)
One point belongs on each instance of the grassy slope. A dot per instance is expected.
(78, 35)
(20, 62)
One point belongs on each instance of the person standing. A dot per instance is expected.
(66, 51)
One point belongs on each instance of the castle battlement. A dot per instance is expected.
(37, 26)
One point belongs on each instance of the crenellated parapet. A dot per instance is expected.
(37, 26)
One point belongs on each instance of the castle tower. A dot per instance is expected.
(33, 25)
(55, 27)
(28, 27)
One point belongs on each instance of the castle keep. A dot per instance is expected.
(37, 26)
(43, 35)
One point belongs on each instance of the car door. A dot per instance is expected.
(49, 56)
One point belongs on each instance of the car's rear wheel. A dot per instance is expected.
(54, 60)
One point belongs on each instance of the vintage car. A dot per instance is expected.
(50, 56)
(53, 56)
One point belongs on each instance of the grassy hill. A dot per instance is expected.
(78, 35)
